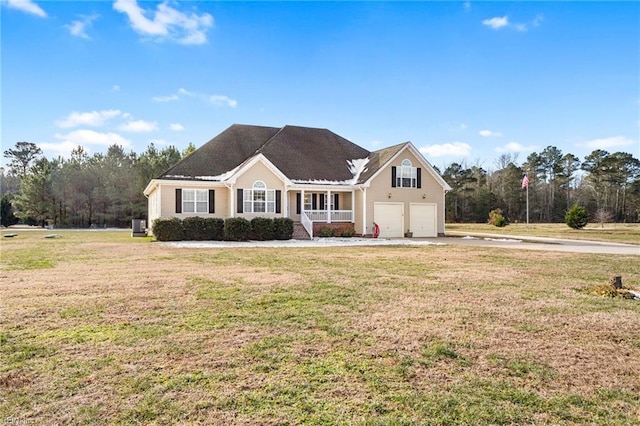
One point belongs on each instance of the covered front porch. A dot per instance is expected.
(322, 206)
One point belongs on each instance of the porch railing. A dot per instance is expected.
(323, 215)
(307, 223)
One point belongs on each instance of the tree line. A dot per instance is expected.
(105, 190)
(99, 190)
(606, 184)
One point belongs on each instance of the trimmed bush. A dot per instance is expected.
(236, 229)
(262, 229)
(325, 232)
(194, 228)
(283, 228)
(214, 228)
(576, 217)
(347, 232)
(168, 229)
(497, 219)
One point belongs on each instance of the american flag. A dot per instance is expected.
(525, 182)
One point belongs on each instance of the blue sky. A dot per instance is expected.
(463, 81)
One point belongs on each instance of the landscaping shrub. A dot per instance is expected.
(262, 229)
(576, 217)
(236, 229)
(168, 229)
(347, 232)
(283, 228)
(325, 232)
(214, 228)
(194, 228)
(497, 219)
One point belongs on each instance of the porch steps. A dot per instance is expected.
(299, 233)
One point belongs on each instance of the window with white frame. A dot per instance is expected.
(407, 175)
(259, 199)
(195, 201)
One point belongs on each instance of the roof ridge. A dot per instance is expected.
(261, 147)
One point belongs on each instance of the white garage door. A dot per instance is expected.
(422, 219)
(390, 219)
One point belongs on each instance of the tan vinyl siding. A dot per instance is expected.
(292, 206)
(430, 192)
(259, 171)
(168, 200)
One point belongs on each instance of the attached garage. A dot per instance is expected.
(423, 219)
(390, 218)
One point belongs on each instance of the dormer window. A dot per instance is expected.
(405, 175)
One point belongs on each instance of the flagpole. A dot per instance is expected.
(527, 206)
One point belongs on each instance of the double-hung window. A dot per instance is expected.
(259, 199)
(407, 175)
(195, 201)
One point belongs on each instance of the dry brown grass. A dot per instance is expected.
(628, 233)
(115, 331)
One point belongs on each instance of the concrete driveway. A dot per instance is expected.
(538, 243)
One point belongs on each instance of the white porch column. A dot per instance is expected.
(301, 201)
(329, 206)
(364, 211)
(353, 206)
(285, 208)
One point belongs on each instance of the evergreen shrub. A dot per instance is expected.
(194, 228)
(262, 229)
(168, 229)
(283, 228)
(236, 229)
(576, 217)
(214, 228)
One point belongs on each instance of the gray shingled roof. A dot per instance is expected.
(379, 158)
(304, 153)
(301, 153)
(223, 153)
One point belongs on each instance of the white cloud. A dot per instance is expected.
(166, 23)
(60, 148)
(165, 98)
(496, 23)
(458, 149)
(176, 127)
(78, 28)
(612, 142)
(93, 118)
(516, 147)
(218, 100)
(139, 126)
(221, 100)
(503, 22)
(537, 20)
(467, 6)
(115, 88)
(520, 27)
(84, 137)
(489, 133)
(27, 6)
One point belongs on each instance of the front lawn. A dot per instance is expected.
(102, 328)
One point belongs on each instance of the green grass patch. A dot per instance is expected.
(367, 336)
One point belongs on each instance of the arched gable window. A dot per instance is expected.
(259, 199)
(407, 175)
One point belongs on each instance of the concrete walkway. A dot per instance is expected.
(473, 240)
